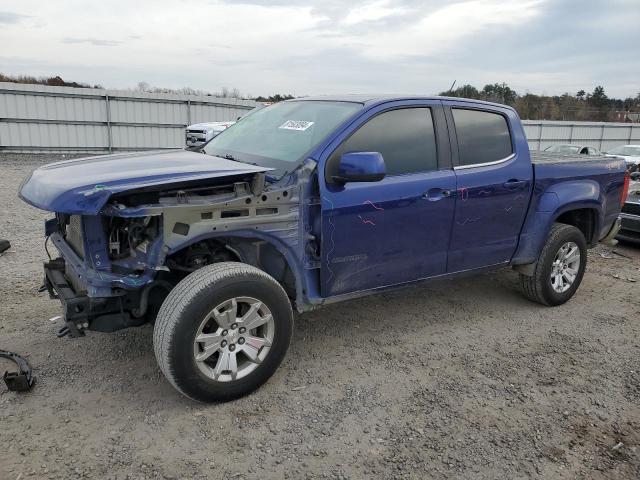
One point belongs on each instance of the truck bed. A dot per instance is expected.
(593, 175)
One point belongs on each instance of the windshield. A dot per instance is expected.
(281, 135)
(562, 149)
(626, 150)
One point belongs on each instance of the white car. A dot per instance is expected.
(566, 149)
(200, 133)
(630, 153)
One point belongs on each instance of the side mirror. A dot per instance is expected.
(360, 167)
(635, 176)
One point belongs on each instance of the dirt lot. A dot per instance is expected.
(460, 379)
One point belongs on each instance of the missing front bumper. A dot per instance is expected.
(81, 312)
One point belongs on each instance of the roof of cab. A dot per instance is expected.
(373, 99)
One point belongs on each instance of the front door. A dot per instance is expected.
(397, 230)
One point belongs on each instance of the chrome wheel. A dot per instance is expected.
(565, 267)
(233, 339)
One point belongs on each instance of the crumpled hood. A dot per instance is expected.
(83, 185)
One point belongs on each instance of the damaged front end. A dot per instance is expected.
(103, 286)
(116, 266)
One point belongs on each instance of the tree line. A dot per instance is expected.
(583, 106)
(225, 92)
(56, 81)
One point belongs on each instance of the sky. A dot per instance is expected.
(309, 47)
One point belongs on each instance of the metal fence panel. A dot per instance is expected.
(602, 135)
(42, 118)
(134, 138)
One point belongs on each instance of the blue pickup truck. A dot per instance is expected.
(304, 203)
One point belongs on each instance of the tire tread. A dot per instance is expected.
(532, 287)
(180, 297)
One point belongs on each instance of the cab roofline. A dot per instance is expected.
(369, 100)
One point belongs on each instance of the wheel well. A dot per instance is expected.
(252, 251)
(584, 219)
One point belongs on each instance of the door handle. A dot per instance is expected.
(435, 194)
(514, 184)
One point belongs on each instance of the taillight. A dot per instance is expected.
(625, 188)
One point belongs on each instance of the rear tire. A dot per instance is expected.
(549, 284)
(222, 331)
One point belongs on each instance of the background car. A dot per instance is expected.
(567, 149)
(630, 215)
(630, 153)
(200, 133)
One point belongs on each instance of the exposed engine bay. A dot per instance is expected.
(131, 255)
(126, 235)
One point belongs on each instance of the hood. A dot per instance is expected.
(83, 185)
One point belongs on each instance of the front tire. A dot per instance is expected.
(223, 331)
(560, 268)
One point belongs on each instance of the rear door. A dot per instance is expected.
(494, 178)
(376, 234)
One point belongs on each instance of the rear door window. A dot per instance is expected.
(483, 137)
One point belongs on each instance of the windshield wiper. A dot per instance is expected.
(228, 156)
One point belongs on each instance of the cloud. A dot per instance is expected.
(92, 41)
(372, 12)
(11, 18)
(332, 46)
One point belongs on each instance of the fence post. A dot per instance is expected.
(630, 133)
(540, 137)
(571, 134)
(109, 137)
(601, 137)
(188, 112)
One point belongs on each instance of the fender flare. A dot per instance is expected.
(285, 250)
(557, 200)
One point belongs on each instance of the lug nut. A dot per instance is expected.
(242, 330)
(234, 326)
(241, 340)
(223, 343)
(232, 347)
(224, 333)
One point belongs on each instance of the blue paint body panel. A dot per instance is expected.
(84, 185)
(492, 202)
(371, 235)
(561, 186)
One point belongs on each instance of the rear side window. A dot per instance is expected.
(482, 136)
(405, 138)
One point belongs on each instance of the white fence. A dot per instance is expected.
(36, 118)
(602, 135)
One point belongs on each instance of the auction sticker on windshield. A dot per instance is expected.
(299, 125)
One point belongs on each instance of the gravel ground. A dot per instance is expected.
(459, 379)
